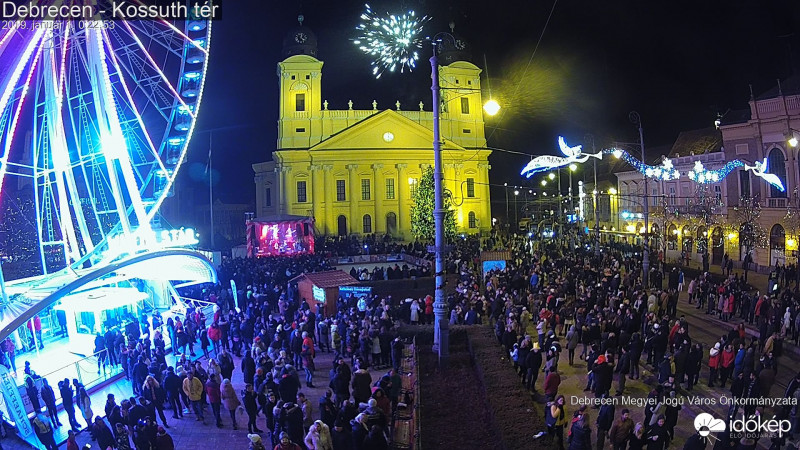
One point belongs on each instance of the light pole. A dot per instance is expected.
(594, 201)
(636, 119)
(516, 219)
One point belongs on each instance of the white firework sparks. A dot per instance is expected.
(392, 41)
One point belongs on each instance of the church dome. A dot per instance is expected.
(300, 40)
(455, 49)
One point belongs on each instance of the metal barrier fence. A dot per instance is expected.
(406, 420)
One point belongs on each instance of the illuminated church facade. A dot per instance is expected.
(354, 170)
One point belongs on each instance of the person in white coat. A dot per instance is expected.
(319, 437)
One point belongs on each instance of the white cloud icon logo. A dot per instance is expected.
(706, 424)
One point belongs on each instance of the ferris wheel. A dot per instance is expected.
(95, 120)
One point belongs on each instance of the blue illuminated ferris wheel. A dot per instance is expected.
(95, 120)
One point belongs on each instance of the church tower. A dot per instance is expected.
(300, 81)
(460, 83)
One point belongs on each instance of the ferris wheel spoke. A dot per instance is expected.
(7, 93)
(160, 72)
(142, 70)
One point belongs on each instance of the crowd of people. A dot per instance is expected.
(547, 303)
(549, 300)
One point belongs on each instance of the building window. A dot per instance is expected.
(300, 130)
(777, 166)
(472, 221)
(464, 105)
(365, 194)
(300, 102)
(672, 195)
(744, 184)
(654, 197)
(301, 192)
(367, 222)
(471, 187)
(390, 189)
(268, 201)
(340, 191)
(412, 183)
(718, 192)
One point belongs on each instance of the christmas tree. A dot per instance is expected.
(422, 223)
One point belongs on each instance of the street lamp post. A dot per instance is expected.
(516, 219)
(594, 200)
(636, 119)
(441, 330)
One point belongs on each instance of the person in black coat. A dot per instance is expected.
(103, 434)
(360, 431)
(341, 436)
(291, 421)
(693, 362)
(67, 396)
(173, 387)
(664, 369)
(603, 374)
(327, 409)
(288, 386)
(33, 394)
(657, 436)
(249, 368)
(580, 437)
(636, 347)
(605, 419)
(375, 439)
(49, 399)
(397, 353)
(533, 362)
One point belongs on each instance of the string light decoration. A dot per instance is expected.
(392, 41)
(700, 174)
(662, 172)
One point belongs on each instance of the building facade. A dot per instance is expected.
(764, 131)
(354, 170)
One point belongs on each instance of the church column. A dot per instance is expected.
(329, 190)
(403, 199)
(354, 222)
(378, 193)
(486, 210)
(317, 208)
(286, 190)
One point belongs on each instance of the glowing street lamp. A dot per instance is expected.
(552, 176)
(793, 141)
(491, 107)
(544, 182)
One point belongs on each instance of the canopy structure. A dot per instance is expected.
(28, 297)
(282, 234)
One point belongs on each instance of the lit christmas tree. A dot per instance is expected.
(751, 234)
(422, 223)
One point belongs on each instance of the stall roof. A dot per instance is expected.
(101, 299)
(281, 218)
(327, 279)
(496, 255)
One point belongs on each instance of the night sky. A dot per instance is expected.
(677, 63)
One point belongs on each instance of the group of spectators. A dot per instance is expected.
(549, 300)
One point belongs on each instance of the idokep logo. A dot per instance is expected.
(706, 424)
(756, 426)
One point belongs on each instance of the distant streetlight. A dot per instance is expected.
(491, 107)
(573, 167)
(793, 141)
(544, 182)
(552, 176)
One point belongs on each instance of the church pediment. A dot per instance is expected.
(385, 130)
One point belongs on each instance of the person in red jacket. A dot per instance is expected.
(214, 397)
(551, 384)
(215, 335)
(713, 364)
(726, 364)
(428, 309)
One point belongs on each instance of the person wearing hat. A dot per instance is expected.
(164, 440)
(360, 430)
(341, 435)
(256, 443)
(713, 364)
(284, 444)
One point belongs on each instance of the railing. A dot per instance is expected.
(406, 421)
(776, 203)
(85, 370)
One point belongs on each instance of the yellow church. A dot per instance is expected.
(354, 170)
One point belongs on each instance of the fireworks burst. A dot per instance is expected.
(391, 41)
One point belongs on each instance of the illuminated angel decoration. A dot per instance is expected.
(760, 170)
(549, 162)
